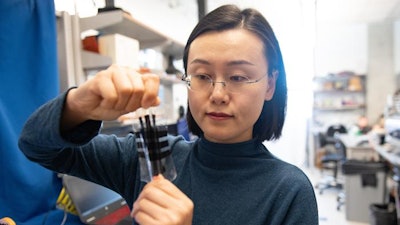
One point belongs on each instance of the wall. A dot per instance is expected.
(381, 68)
(396, 39)
(341, 47)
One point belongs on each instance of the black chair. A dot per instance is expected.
(334, 129)
(334, 155)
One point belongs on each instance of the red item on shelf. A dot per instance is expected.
(90, 43)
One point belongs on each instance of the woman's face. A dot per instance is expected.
(227, 117)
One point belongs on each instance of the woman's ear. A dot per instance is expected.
(271, 85)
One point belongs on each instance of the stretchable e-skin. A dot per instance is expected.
(153, 150)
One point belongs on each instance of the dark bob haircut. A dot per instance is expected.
(270, 123)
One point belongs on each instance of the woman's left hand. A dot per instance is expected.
(161, 202)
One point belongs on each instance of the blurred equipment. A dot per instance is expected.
(171, 68)
(94, 203)
(365, 184)
(109, 6)
(383, 214)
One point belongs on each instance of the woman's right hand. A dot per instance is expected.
(110, 94)
(161, 202)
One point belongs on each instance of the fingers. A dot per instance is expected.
(161, 202)
(150, 97)
(126, 90)
(111, 93)
(130, 90)
(128, 85)
(106, 90)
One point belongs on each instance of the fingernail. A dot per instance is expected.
(158, 177)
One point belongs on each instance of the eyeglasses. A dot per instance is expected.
(234, 83)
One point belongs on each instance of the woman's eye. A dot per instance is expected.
(201, 77)
(238, 79)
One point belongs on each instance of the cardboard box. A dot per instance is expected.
(124, 51)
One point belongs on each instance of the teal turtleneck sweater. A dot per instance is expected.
(241, 183)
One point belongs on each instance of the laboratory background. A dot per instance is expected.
(342, 59)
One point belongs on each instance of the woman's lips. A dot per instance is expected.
(218, 115)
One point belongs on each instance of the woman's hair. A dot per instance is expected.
(270, 123)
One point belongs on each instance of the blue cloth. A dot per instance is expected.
(241, 183)
(28, 78)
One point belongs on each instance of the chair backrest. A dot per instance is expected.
(336, 128)
(321, 139)
(337, 145)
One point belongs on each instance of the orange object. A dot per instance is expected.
(90, 44)
(355, 84)
(144, 70)
(7, 221)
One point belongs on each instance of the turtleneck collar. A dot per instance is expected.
(221, 156)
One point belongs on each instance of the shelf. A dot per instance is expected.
(339, 98)
(340, 83)
(338, 92)
(332, 77)
(118, 21)
(93, 61)
(340, 108)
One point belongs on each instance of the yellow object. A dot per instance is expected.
(7, 221)
(355, 84)
(64, 202)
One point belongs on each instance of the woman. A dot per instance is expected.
(236, 100)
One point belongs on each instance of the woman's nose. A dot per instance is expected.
(219, 92)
